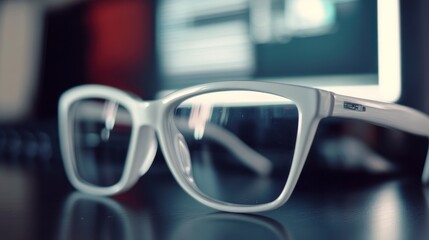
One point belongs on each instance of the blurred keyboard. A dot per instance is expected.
(34, 145)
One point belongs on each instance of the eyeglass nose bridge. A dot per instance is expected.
(146, 148)
(147, 143)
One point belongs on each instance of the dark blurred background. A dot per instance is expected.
(150, 47)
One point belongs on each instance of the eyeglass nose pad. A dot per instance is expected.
(183, 154)
(147, 149)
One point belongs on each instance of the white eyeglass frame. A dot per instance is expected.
(154, 121)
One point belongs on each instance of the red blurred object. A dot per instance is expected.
(119, 42)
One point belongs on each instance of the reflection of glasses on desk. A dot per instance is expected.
(227, 225)
(94, 217)
(213, 137)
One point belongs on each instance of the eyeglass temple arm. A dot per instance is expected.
(249, 157)
(384, 114)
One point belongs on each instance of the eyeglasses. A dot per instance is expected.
(233, 146)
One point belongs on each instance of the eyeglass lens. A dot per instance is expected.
(101, 136)
(238, 145)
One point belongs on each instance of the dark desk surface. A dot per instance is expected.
(35, 205)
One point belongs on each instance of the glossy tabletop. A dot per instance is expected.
(42, 205)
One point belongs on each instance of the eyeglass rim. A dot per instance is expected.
(306, 99)
(129, 175)
(309, 101)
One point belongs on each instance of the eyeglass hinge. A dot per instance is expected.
(326, 103)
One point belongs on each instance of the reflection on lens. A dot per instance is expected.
(101, 135)
(240, 144)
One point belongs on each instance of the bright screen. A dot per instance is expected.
(348, 46)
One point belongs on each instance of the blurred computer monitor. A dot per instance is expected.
(348, 46)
